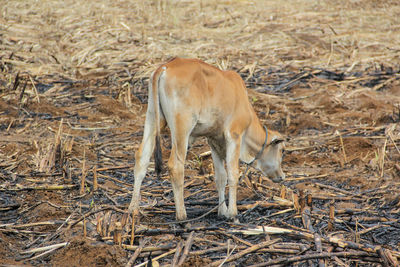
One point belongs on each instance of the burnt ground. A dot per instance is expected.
(73, 92)
(49, 144)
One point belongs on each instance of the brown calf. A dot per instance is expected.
(196, 99)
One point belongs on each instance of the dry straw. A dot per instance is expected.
(95, 38)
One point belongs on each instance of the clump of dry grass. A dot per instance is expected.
(95, 38)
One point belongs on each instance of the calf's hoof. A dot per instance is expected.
(223, 211)
(181, 216)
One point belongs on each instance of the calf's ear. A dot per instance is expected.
(277, 140)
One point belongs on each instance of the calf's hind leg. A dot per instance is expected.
(180, 133)
(143, 155)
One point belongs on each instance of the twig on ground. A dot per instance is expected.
(246, 251)
(138, 250)
(188, 244)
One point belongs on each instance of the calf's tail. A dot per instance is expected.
(156, 103)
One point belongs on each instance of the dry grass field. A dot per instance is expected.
(73, 96)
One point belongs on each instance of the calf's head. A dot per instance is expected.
(271, 159)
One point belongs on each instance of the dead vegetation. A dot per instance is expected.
(73, 92)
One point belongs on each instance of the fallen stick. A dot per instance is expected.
(14, 231)
(110, 189)
(269, 230)
(114, 168)
(279, 251)
(209, 241)
(112, 178)
(16, 82)
(83, 176)
(138, 250)
(236, 238)
(157, 258)
(43, 254)
(307, 177)
(387, 257)
(372, 228)
(302, 234)
(57, 232)
(288, 260)
(177, 253)
(266, 204)
(306, 218)
(40, 187)
(394, 143)
(10, 207)
(147, 249)
(318, 246)
(95, 185)
(382, 163)
(335, 189)
(21, 94)
(380, 85)
(280, 222)
(289, 245)
(342, 145)
(246, 251)
(188, 245)
(214, 249)
(369, 219)
(91, 128)
(34, 89)
(331, 215)
(340, 262)
(20, 226)
(227, 256)
(338, 198)
(153, 232)
(46, 248)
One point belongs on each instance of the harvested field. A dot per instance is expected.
(73, 97)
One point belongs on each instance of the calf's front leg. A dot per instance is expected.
(232, 165)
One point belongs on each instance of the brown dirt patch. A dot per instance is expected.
(81, 252)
